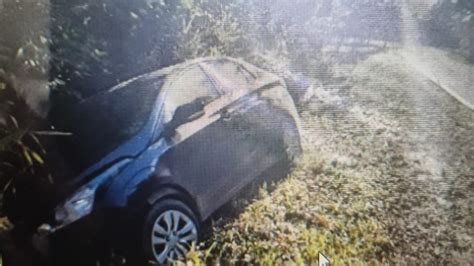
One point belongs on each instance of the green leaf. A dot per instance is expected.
(11, 138)
(28, 157)
(14, 121)
(37, 157)
(36, 140)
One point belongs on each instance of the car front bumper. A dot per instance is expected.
(82, 231)
(117, 227)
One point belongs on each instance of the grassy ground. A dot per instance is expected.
(385, 179)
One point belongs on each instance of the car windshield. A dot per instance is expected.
(102, 122)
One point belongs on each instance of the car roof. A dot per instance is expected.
(170, 72)
(253, 70)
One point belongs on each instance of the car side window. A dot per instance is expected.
(227, 76)
(236, 74)
(186, 88)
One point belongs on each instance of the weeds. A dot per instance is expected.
(297, 221)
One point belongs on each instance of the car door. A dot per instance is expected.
(216, 161)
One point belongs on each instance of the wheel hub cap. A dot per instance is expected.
(172, 236)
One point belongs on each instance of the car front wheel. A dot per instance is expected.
(171, 229)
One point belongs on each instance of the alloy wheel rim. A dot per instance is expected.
(172, 236)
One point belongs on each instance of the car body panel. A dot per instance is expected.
(213, 156)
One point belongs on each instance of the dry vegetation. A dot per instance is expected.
(381, 182)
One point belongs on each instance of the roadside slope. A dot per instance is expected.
(386, 178)
(434, 188)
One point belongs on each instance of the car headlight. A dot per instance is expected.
(76, 207)
(82, 202)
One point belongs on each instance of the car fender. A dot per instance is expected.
(157, 186)
(122, 186)
(152, 182)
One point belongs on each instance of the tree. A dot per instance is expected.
(96, 44)
(451, 25)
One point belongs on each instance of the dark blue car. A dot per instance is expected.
(168, 148)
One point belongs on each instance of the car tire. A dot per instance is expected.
(170, 229)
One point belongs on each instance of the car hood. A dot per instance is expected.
(130, 149)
